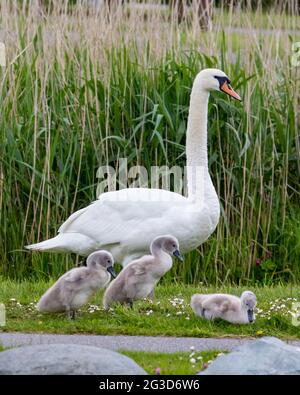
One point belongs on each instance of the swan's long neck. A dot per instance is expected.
(156, 248)
(196, 141)
(162, 257)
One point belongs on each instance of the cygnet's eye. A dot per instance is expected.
(108, 261)
(174, 245)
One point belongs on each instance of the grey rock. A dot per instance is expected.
(266, 356)
(66, 359)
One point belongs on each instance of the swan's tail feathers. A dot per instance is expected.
(66, 242)
(47, 245)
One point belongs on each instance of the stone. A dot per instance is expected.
(66, 359)
(266, 356)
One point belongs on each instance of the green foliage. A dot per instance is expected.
(172, 363)
(168, 315)
(65, 112)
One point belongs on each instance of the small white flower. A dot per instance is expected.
(192, 348)
(149, 312)
(193, 360)
(12, 299)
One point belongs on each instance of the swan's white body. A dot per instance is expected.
(125, 222)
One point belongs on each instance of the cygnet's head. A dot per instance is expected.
(248, 301)
(101, 259)
(215, 80)
(169, 244)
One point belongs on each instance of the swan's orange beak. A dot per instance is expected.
(227, 89)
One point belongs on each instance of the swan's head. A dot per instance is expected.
(215, 80)
(101, 259)
(248, 301)
(169, 244)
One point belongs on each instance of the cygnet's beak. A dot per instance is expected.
(226, 88)
(250, 315)
(178, 255)
(110, 270)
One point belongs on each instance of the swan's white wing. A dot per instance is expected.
(123, 215)
(124, 196)
(142, 195)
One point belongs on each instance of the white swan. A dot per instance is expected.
(138, 279)
(228, 307)
(125, 222)
(73, 289)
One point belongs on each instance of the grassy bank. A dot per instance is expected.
(175, 363)
(169, 314)
(81, 91)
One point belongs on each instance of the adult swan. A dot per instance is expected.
(125, 222)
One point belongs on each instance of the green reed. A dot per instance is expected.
(80, 92)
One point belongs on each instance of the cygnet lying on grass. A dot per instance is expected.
(228, 307)
(138, 279)
(74, 288)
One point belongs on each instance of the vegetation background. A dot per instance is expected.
(83, 88)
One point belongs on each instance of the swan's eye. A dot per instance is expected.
(174, 245)
(222, 80)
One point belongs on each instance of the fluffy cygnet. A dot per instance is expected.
(138, 279)
(228, 307)
(74, 288)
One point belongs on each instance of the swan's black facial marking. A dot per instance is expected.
(250, 314)
(178, 255)
(224, 86)
(110, 270)
(222, 80)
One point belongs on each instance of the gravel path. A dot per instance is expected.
(132, 343)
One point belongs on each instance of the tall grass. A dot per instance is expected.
(82, 90)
